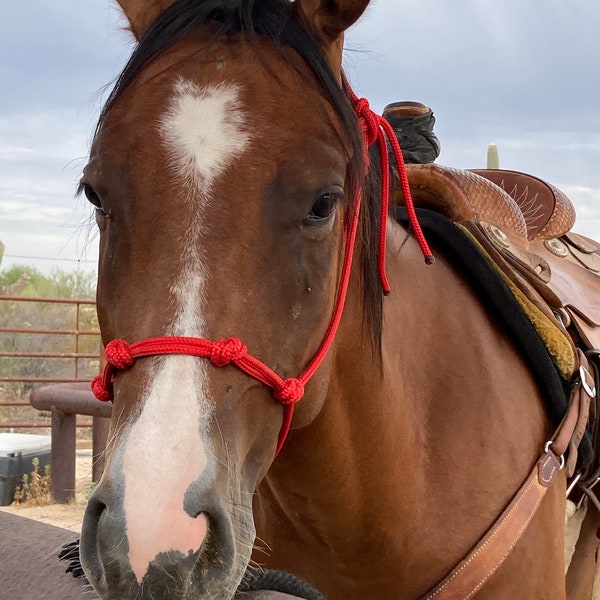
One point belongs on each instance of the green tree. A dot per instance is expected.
(25, 280)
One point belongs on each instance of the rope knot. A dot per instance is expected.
(290, 392)
(226, 351)
(118, 354)
(369, 120)
(99, 390)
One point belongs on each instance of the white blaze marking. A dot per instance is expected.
(165, 450)
(163, 456)
(204, 130)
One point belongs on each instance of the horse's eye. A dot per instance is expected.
(323, 208)
(90, 194)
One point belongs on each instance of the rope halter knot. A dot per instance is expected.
(118, 357)
(101, 389)
(290, 392)
(368, 119)
(224, 352)
(118, 354)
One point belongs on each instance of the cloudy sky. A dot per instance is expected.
(524, 74)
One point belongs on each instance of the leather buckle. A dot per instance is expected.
(590, 391)
(561, 457)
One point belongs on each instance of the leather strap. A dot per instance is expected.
(469, 576)
(583, 395)
(472, 572)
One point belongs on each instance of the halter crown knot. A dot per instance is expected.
(100, 391)
(118, 354)
(223, 352)
(369, 120)
(290, 392)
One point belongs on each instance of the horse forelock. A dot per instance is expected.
(278, 21)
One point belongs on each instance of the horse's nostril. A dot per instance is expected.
(95, 508)
(89, 552)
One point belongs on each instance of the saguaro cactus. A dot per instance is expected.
(493, 161)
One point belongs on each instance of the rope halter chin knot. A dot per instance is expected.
(121, 355)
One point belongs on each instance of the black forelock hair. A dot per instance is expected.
(280, 22)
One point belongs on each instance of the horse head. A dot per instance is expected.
(223, 172)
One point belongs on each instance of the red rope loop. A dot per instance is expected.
(369, 120)
(99, 389)
(377, 129)
(118, 354)
(290, 391)
(224, 352)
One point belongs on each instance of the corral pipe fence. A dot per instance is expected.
(52, 341)
(43, 341)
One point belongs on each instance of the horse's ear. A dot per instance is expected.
(142, 13)
(329, 19)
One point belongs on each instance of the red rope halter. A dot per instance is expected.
(121, 355)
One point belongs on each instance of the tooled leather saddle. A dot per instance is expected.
(522, 225)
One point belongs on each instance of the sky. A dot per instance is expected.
(523, 74)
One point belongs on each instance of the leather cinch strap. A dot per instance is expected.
(469, 576)
(471, 573)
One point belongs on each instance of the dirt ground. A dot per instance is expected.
(69, 516)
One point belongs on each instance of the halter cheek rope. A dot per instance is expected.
(121, 355)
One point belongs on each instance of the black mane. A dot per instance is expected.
(280, 22)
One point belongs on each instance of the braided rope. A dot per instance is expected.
(376, 129)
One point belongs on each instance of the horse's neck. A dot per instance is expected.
(449, 377)
(392, 453)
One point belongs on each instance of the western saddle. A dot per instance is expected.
(522, 226)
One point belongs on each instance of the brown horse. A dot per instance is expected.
(225, 171)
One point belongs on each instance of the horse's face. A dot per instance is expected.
(219, 176)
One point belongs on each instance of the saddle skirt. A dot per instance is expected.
(522, 227)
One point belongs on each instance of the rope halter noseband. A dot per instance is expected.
(121, 355)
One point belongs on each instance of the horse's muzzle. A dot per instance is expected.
(210, 572)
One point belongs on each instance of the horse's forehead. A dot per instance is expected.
(265, 91)
(189, 120)
(204, 130)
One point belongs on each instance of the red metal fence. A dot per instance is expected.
(44, 340)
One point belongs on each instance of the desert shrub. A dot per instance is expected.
(35, 489)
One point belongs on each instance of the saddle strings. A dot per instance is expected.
(120, 355)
